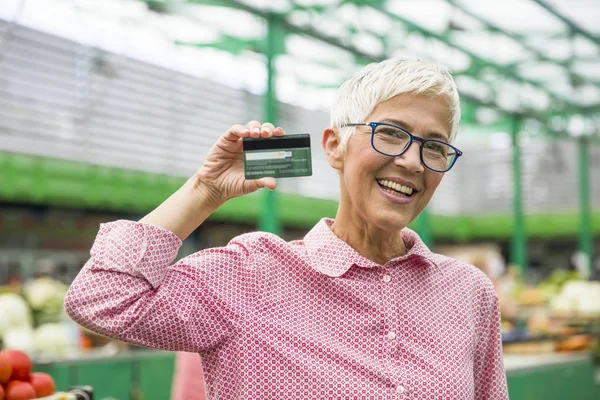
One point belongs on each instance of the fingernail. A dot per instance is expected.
(256, 130)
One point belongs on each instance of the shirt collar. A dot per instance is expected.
(333, 257)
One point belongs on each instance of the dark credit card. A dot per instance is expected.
(286, 156)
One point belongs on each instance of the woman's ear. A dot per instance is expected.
(332, 145)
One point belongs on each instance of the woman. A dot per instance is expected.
(188, 381)
(360, 308)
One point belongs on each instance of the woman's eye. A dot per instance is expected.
(390, 132)
(438, 148)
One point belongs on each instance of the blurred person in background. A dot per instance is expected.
(44, 268)
(595, 275)
(359, 308)
(14, 279)
(188, 380)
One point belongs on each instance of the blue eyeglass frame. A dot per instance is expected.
(412, 138)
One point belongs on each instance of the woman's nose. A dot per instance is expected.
(411, 158)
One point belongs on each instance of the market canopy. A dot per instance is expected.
(522, 66)
(535, 59)
(531, 58)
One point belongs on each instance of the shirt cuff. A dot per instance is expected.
(135, 248)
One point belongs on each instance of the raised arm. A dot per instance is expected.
(220, 178)
(129, 290)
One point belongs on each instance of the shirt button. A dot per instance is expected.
(400, 389)
(387, 278)
(391, 335)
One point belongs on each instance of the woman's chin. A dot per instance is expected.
(391, 222)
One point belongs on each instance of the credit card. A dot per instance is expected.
(285, 156)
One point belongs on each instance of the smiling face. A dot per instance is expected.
(370, 181)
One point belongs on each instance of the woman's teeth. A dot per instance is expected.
(394, 188)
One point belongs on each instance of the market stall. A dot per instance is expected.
(34, 329)
(538, 365)
(148, 375)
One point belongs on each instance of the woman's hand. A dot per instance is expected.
(220, 178)
(222, 174)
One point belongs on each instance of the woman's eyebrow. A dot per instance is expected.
(404, 125)
(437, 136)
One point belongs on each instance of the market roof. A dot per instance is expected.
(531, 58)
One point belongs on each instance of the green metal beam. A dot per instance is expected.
(362, 57)
(234, 45)
(423, 228)
(540, 34)
(227, 43)
(215, 3)
(298, 30)
(269, 217)
(572, 25)
(502, 70)
(585, 208)
(540, 56)
(548, 35)
(289, 27)
(167, 6)
(519, 240)
(318, 8)
(28, 179)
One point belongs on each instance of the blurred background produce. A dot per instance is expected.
(109, 105)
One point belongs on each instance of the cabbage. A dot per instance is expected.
(53, 340)
(45, 294)
(14, 313)
(20, 339)
(578, 298)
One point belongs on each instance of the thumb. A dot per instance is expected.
(254, 185)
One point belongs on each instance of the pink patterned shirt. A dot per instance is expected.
(307, 319)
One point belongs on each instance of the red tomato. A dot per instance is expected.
(43, 384)
(5, 369)
(19, 390)
(20, 362)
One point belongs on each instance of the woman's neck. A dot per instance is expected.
(373, 244)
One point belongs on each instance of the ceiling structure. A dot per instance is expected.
(534, 59)
(531, 58)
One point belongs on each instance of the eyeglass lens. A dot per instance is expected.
(393, 141)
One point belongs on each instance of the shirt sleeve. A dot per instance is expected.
(129, 291)
(490, 377)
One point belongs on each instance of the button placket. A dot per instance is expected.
(388, 285)
(388, 295)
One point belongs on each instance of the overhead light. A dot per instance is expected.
(578, 125)
(486, 115)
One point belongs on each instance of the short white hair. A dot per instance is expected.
(378, 82)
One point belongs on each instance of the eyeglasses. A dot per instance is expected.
(393, 141)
